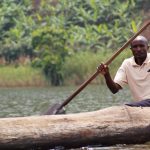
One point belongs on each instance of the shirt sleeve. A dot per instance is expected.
(121, 77)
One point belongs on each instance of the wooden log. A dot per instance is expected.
(109, 126)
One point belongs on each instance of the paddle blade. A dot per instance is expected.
(55, 110)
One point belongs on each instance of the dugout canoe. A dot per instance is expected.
(109, 126)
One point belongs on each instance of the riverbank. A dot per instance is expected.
(76, 69)
(21, 76)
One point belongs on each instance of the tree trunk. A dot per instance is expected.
(109, 126)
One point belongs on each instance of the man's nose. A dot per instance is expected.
(138, 48)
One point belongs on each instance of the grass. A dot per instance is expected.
(82, 65)
(11, 76)
(76, 69)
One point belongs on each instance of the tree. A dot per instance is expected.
(50, 44)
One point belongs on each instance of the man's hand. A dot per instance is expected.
(103, 69)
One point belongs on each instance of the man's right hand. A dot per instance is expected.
(103, 69)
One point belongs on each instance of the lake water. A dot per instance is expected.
(34, 101)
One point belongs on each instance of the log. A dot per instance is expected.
(109, 126)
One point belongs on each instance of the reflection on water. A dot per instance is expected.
(34, 101)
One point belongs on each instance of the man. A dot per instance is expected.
(134, 71)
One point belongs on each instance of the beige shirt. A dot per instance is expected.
(137, 77)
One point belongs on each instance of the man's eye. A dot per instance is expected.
(136, 46)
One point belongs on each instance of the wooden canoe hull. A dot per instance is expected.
(109, 126)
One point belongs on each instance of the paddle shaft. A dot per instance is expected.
(83, 85)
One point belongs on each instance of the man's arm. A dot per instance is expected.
(104, 70)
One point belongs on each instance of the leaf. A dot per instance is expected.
(39, 17)
(134, 27)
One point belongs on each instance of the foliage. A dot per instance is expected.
(55, 32)
(87, 62)
(12, 76)
(51, 46)
(95, 24)
(15, 30)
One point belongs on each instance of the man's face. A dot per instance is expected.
(139, 49)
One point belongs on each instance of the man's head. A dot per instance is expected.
(139, 47)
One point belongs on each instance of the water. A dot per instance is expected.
(34, 101)
(16, 102)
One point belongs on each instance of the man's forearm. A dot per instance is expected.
(104, 70)
(114, 88)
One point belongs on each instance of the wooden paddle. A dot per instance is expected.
(56, 108)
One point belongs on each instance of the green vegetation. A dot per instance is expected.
(21, 76)
(81, 66)
(66, 39)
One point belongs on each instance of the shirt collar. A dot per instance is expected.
(147, 60)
